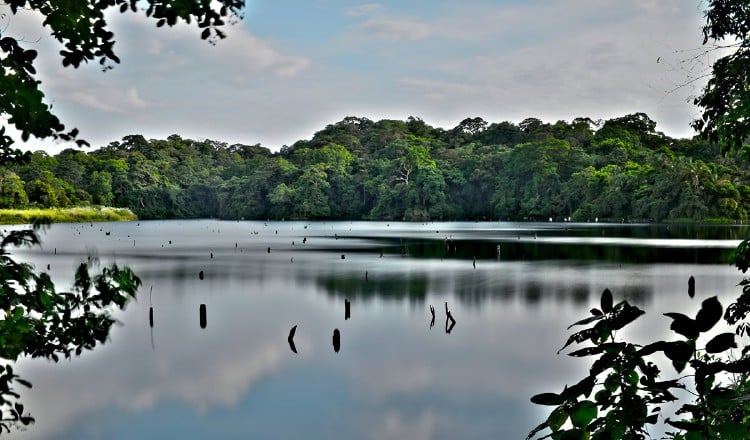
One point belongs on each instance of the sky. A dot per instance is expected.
(291, 67)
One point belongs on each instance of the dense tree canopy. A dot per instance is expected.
(619, 169)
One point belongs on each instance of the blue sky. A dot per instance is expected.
(291, 67)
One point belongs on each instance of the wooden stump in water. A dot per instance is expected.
(151, 317)
(347, 309)
(203, 315)
(336, 340)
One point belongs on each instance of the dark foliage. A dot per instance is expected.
(625, 392)
(41, 322)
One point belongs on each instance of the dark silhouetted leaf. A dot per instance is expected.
(534, 431)
(720, 343)
(679, 352)
(582, 388)
(579, 337)
(549, 399)
(684, 425)
(587, 351)
(604, 362)
(606, 302)
(709, 314)
(683, 325)
(623, 314)
(653, 348)
(23, 382)
(585, 321)
(741, 366)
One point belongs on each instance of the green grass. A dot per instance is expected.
(708, 220)
(65, 215)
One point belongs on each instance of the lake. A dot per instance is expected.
(512, 289)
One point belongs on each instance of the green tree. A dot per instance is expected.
(283, 201)
(100, 188)
(310, 193)
(12, 192)
(50, 191)
(725, 114)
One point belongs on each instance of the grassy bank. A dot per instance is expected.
(65, 215)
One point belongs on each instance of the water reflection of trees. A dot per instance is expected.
(523, 248)
(469, 291)
(394, 286)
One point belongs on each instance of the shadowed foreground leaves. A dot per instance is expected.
(624, 391)
(38, 321)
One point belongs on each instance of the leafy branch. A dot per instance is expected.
(37, 321)
(629, 389)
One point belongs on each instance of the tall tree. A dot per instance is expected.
(724, 100)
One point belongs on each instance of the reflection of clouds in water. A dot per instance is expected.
(215, 367)
(77, 391)
(394, 377)
(482, 357)
(225, 383)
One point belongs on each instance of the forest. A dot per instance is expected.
(621, 169)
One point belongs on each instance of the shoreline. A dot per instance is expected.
(65, 215)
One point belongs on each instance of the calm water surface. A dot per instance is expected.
(394, 376)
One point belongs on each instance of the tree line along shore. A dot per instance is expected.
(621, 169)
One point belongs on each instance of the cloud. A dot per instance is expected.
(363, 9)
(571, 61)
(216, 371)
(394, 29)
(181, 46)
(108, 99)
(439, 90)
(169, 81)
(277, 84)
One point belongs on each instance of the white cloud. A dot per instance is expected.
(216, 371)
(439, 90)
(165, 78)
(363, 9)
(599, 63)
(107, 99)
(552, 61)
(181, 46)
(394, 29)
